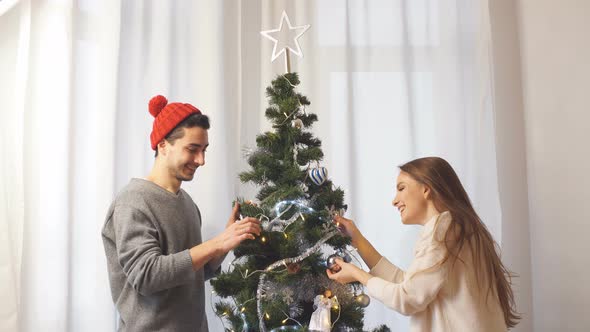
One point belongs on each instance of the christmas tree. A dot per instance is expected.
(278, 281)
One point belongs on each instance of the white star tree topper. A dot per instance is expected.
(286, 48)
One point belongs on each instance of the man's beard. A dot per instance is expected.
(185, 174)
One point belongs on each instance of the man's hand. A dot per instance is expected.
(237, 231)
(235, 215)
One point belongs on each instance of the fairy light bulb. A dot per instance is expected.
(263, 239)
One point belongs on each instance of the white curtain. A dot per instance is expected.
(390, 80)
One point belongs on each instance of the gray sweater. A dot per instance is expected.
(146, 235)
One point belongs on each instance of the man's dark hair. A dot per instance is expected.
(191, 121)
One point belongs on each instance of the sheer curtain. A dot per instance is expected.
(389, 80)
(57, 177)
(392, 81)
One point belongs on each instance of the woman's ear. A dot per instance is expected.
(426, 192)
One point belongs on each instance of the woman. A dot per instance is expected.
(456, 281)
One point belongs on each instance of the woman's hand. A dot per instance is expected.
(348, 273)
(348, 227)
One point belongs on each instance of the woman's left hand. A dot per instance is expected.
(348, 273)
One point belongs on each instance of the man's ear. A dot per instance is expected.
(162, 147)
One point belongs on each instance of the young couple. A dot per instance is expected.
(158, 262)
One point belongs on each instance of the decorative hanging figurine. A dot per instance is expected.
(320, 319)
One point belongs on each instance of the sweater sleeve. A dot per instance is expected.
(140, 256)
(212, 271)
(386, 270)
(417, 289)
(209, 270)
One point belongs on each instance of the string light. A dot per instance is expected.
(336, 307)
(263, 239)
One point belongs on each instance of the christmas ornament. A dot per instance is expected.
(363, 299)
(295, 309)
(288, 296)
(297, 123)
(304, 187)
(318, 175)
(331, 263)
(285, 48)
(336, 212)
(320, 319)
(344, 255)
(293, 268)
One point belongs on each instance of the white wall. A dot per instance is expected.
(555, 55)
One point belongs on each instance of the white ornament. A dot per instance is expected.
(296, 50)
(297, 123)
(318, 175)
(320, 319)
(303, 187)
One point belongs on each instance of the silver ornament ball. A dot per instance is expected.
(345, 256)
(331, 263)
(363, 300)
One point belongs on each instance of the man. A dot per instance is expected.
(156, 259)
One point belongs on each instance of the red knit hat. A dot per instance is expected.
(167, 117)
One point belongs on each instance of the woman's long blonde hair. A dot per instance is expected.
(466, 228)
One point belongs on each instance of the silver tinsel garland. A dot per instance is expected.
(283, 263)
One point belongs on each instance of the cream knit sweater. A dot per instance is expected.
(441, 299)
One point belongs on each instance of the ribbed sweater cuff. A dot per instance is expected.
(185, 263)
